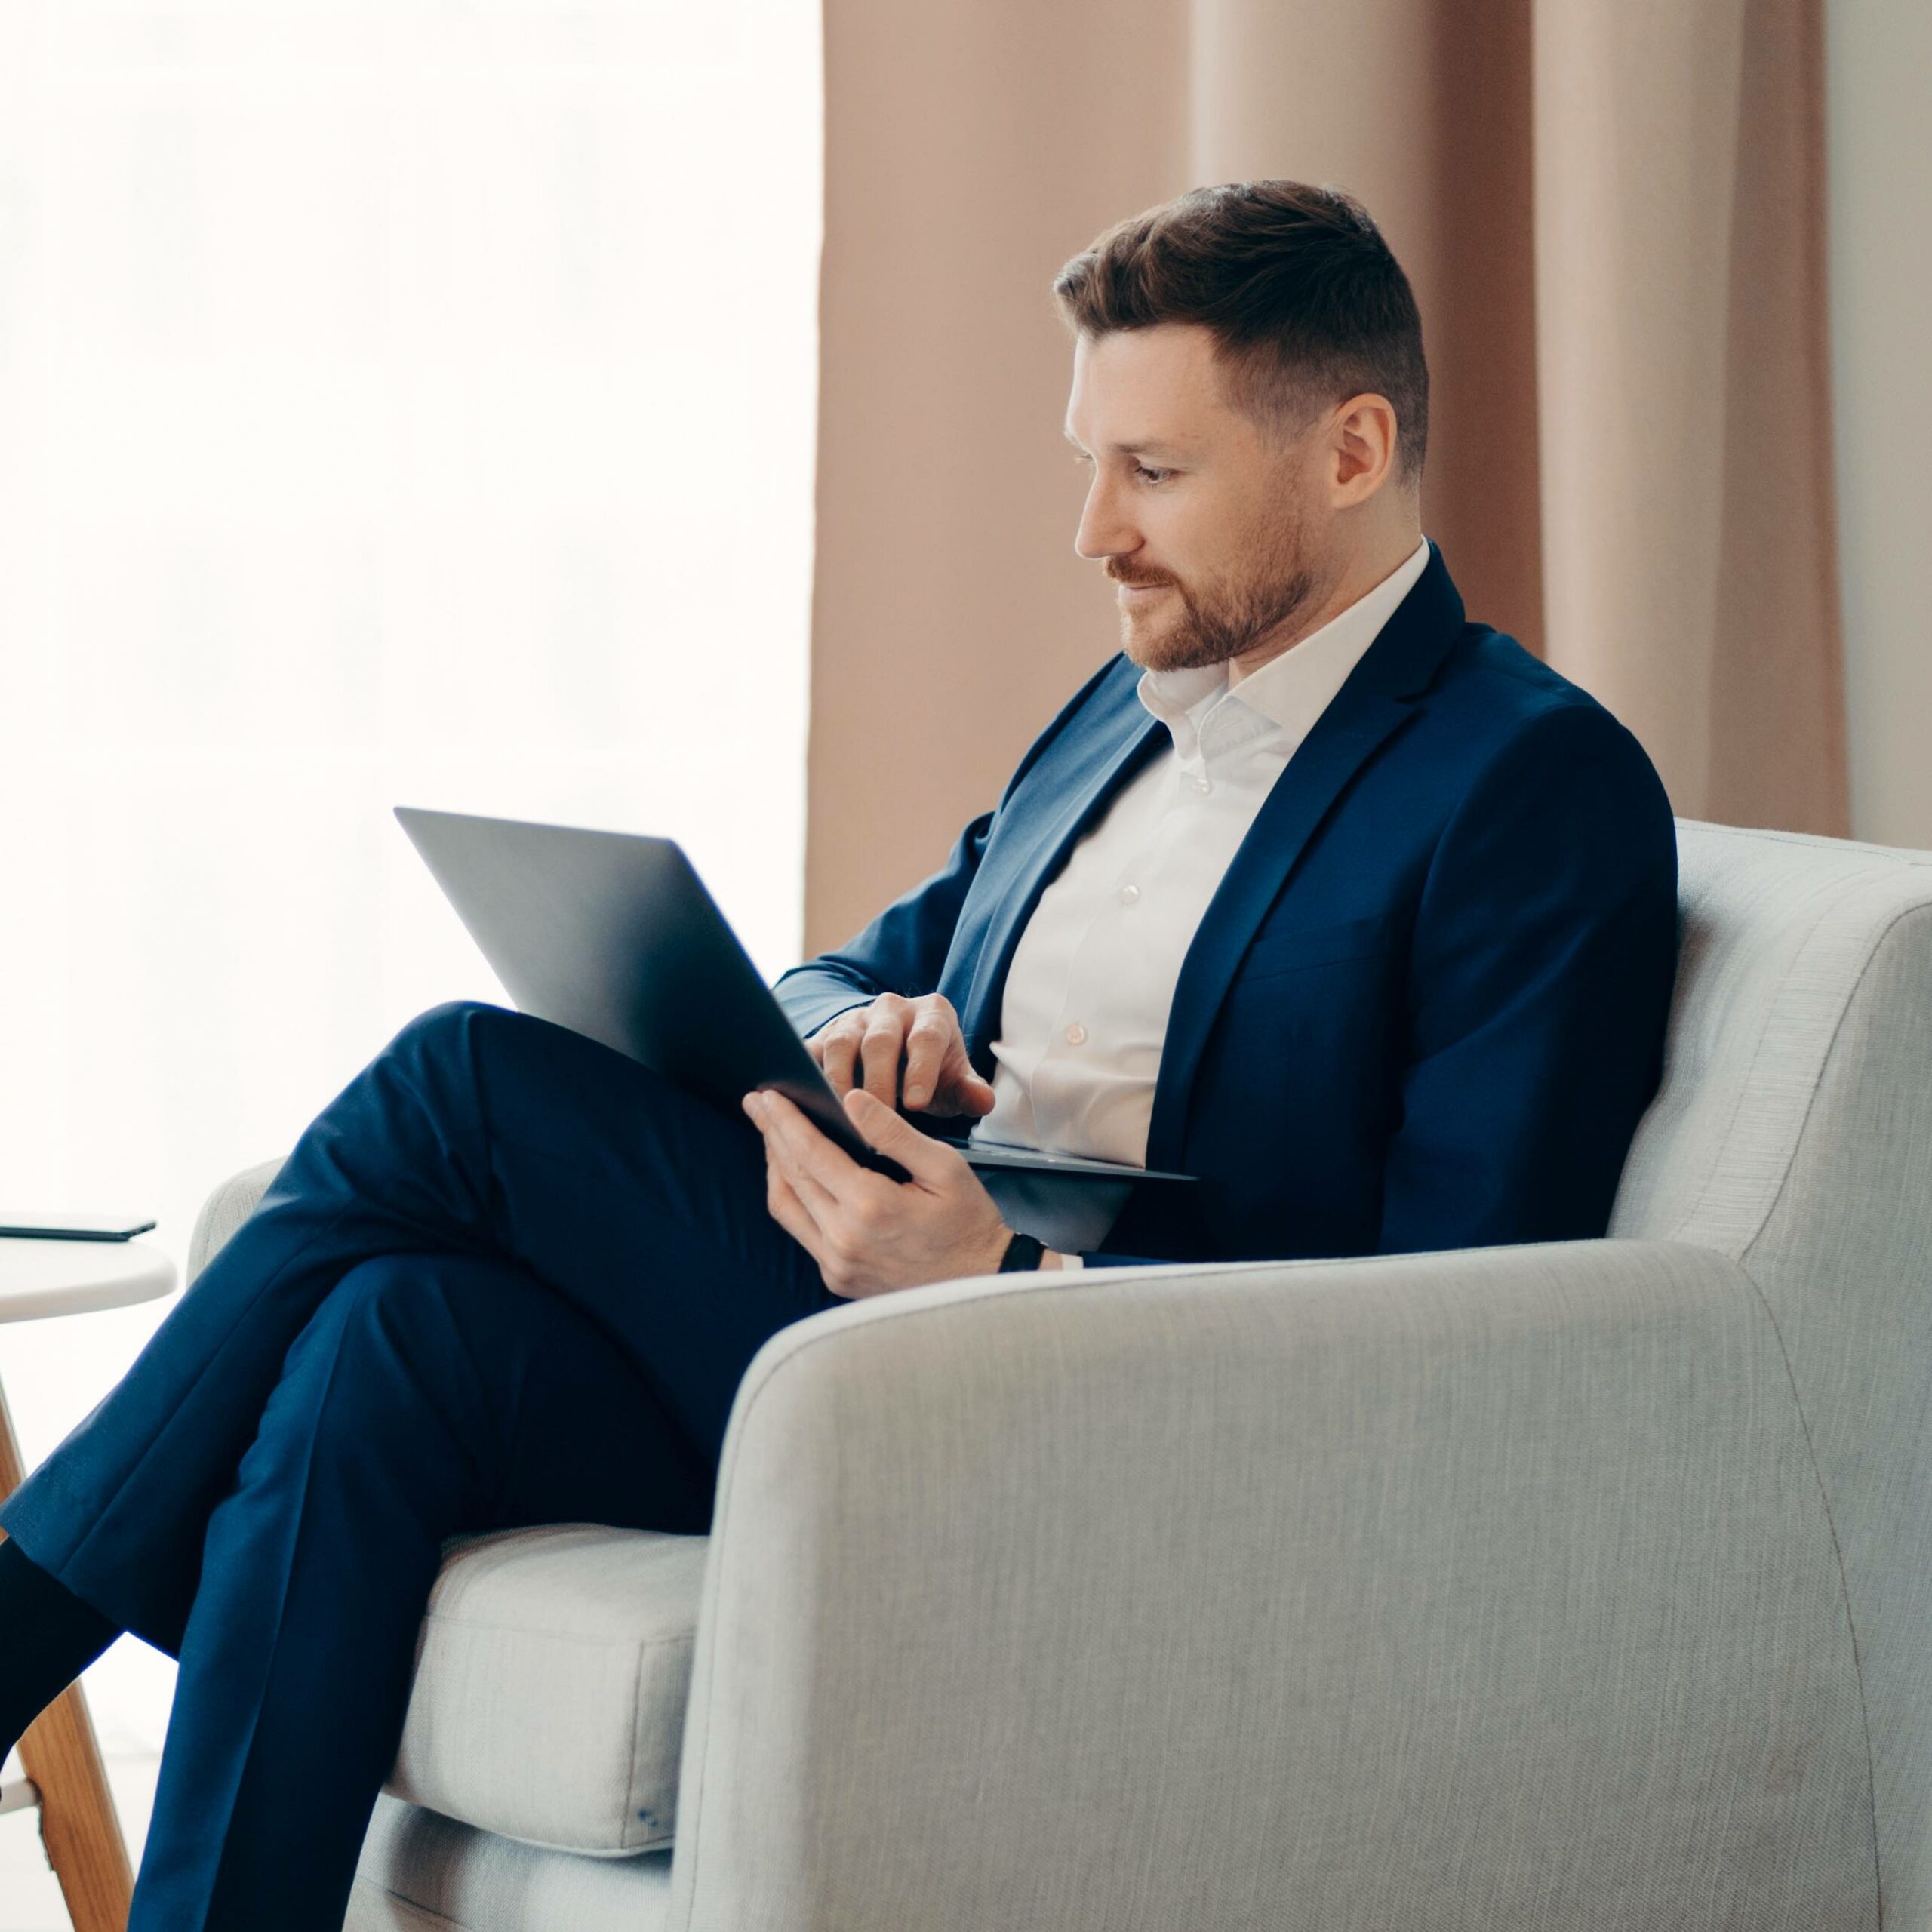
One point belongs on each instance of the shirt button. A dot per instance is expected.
(1202, 785)
(1129, 893)
(1075, 1034)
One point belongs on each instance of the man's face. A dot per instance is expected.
(1225, 525)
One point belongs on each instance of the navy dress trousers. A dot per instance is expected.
(507, 1276)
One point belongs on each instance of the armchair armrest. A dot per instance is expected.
(225, 1210)
(1490, 1588)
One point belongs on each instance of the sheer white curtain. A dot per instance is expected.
(402, 403)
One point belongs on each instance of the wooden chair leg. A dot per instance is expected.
(78, 1824)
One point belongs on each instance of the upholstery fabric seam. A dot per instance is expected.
(1691, 1213)
(458, 1621)
(630, 1772)
(403, 1898)
(1844, 1594)
(1824, 1061)
(1900, 855)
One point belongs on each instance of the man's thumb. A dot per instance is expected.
(877, 1122)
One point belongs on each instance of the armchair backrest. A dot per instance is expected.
(1781, 938)
(1792, 1132)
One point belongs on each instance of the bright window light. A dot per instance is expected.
(406, 404)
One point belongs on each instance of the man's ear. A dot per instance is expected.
(1361, 449)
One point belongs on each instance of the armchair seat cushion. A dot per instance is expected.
(551, 1679)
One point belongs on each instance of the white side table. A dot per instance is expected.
(64, 1777)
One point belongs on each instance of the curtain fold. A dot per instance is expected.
(1688, 533)
(1612, 213)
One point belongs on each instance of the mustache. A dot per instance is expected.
(1135, 582)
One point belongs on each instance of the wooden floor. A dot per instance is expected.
(30, 1897)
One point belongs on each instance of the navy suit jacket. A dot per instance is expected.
(1426, 1007)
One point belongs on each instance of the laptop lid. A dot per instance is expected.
(613, 935)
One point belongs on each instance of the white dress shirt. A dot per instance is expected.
(1084, 1012)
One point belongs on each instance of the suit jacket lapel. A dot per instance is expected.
(1373, 703)
(1376, 701)
(1107, 763)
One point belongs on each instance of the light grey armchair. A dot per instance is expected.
(1575, 1585)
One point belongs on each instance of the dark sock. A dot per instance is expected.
(47, 1637)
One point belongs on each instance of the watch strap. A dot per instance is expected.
(1022, 1251)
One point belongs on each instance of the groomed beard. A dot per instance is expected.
(1221, 619)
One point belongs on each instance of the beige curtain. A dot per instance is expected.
(1611, 212)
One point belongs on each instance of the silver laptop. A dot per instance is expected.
(613, 935)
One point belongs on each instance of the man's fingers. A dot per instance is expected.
(840, 1047)
(865, 1048)
(817, 1198)
(928, 1048)
(973, 1094)
(781, 1157)
(880, 1049)
(790, 1213)
(958, 1088)
(931, 1163)
(825, 1177)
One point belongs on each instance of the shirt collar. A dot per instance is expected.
(1291, 691)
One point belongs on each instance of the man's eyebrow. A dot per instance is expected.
(1129, 449)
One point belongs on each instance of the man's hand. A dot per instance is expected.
(869, 1235)
(862, 1048)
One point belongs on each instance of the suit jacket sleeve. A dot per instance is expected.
(901, 951)
(1542, 965)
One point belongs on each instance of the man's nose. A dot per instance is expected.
(1104, 531)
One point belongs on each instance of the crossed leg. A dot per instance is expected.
(429, 1395)
(507, 1275)
(476, 1131)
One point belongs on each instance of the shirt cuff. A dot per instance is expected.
(1072, 1260)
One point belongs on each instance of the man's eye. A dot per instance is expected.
(1140, 470)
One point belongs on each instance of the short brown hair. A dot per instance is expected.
(1309, 304)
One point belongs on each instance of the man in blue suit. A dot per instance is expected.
(1348, 907)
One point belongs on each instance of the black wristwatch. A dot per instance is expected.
(1022, 1251)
